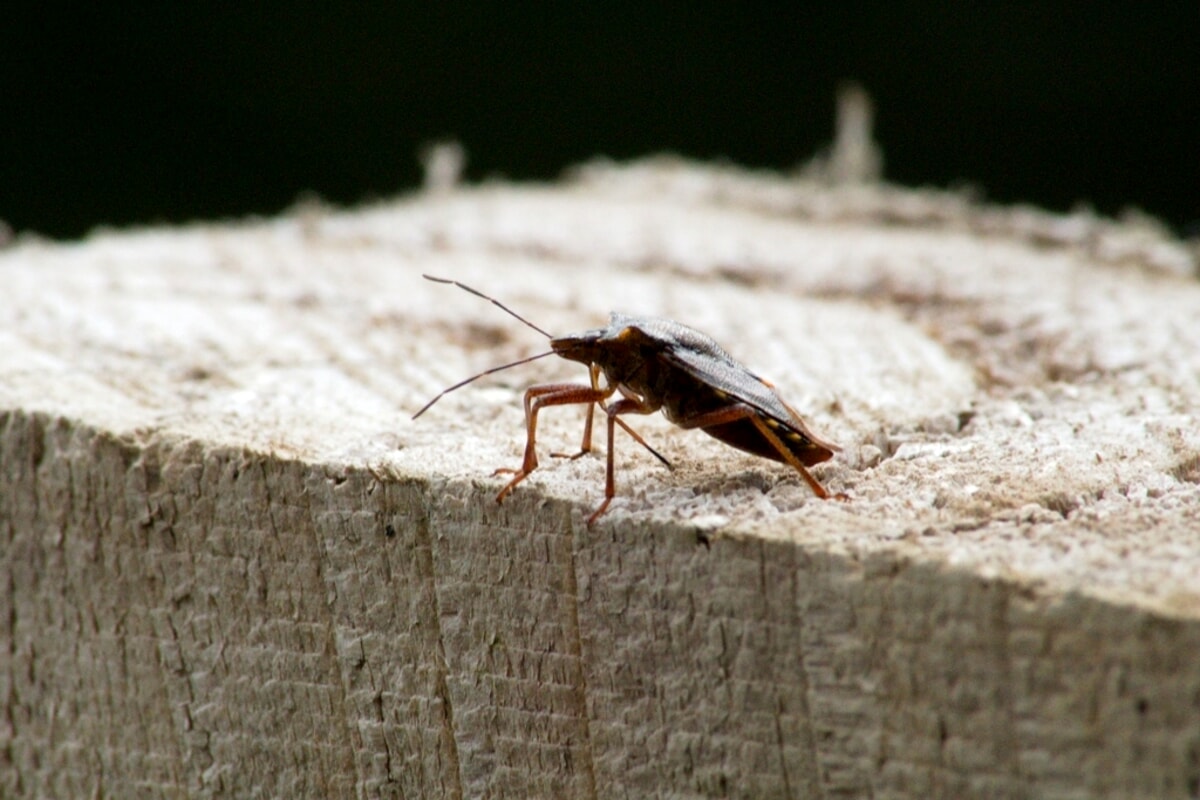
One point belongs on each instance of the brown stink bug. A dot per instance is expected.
(657, 364)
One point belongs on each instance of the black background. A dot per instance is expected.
(114, 115)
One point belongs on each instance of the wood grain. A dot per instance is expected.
(234, 565)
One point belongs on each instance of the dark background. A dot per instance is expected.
(116, 116)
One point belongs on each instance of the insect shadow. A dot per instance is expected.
(659, 365)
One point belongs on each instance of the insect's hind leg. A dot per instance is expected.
(739, 411)
(819, 490)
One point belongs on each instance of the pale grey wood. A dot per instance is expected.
(233, 564)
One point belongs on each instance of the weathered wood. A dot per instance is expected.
(233, 564)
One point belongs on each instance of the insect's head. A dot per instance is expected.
(615, 344)
(582, 347)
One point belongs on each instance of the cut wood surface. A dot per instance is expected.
(234, 565)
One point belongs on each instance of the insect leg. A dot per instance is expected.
(637, 438)
(739, 411)
(799, 425)
(537, 398)
(586, 447)
(626, 405)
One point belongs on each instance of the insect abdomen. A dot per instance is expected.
(743, 435)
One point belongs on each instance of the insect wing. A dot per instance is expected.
(700, 356)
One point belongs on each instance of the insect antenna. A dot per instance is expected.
(512, 313)
(494, 302)
(463, 383)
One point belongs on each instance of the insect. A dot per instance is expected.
(658, 364)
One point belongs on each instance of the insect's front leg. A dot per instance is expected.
(537, 398)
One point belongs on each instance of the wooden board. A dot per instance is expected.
(234, 564)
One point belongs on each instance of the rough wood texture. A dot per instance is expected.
(233, 565)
